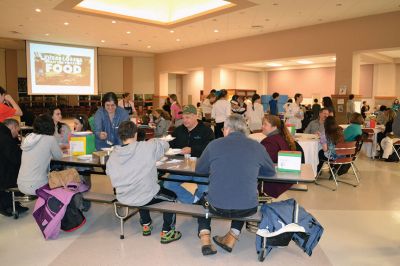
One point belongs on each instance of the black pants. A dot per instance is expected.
(322, 159)
(169, 218)
(218, 130)
(206, 223)
(5, 200)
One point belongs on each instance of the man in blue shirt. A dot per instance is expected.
(234, 162)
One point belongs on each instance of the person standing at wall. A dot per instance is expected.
(220, 111)
(176, 111)
(127, 103)
(273, 104)
(294, 112)
(255, 114)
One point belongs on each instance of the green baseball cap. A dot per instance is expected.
(189, 109)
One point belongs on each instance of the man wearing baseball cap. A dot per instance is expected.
(192, 137)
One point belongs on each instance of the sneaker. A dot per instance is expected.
(146, 229)
(170, 236)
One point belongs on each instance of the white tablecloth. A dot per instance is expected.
(310, 147)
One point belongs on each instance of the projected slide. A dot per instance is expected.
(61, 69)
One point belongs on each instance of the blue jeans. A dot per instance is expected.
(182, 194)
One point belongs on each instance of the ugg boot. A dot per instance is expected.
(226, 242)
(207, 248)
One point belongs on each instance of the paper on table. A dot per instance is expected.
(174, 161)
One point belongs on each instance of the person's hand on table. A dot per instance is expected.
(186, 150)
(103, 135)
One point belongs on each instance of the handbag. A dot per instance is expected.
(63, 178)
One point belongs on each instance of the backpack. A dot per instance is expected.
(73, 217)
(285, 221)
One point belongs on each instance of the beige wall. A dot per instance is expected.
(384, 80)
(192, 84)
(21, 63)
(247, 80)
(3, 68)
(143, 75)
(342, 38)
(110, 73)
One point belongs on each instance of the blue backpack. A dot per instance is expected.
(285, 221)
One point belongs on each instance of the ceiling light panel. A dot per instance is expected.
(155, 10)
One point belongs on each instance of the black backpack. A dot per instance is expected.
(73, 217)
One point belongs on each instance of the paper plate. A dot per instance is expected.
(167, 138)
(86, 157)
(173, 152)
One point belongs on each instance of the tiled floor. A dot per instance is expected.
(362, 227)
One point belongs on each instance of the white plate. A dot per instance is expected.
(83, 133)
(86, 157)
(168, 138)
(173, 152)
(107, 149)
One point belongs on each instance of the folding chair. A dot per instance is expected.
(359, 143)
(396, 148)
(369, 135)
(348, 150)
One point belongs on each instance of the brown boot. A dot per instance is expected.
(226, 242)
(207, 248)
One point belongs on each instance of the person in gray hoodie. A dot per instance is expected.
(133, 173)
(38, 149)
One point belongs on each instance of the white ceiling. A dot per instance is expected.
(19, 20)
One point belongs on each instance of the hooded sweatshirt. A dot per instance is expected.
(133, 173)
(37, 152)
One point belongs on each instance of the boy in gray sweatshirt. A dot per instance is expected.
(133, 173)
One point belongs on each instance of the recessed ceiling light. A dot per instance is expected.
(172, 31)
(47, 34)
(38, 10)
(334, 58)
(274, 64)
(149, 46)
(113, 22)
(128, 32)
(267, 19)
(66, 23)
(275, 4)
(103, 41)
(216, 30)
(304, 62)
(178, 40)
(338, 4)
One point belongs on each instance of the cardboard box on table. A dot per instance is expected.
(289, 161)
(82, 144)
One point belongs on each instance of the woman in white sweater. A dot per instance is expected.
(220, 111)
(255, 113)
